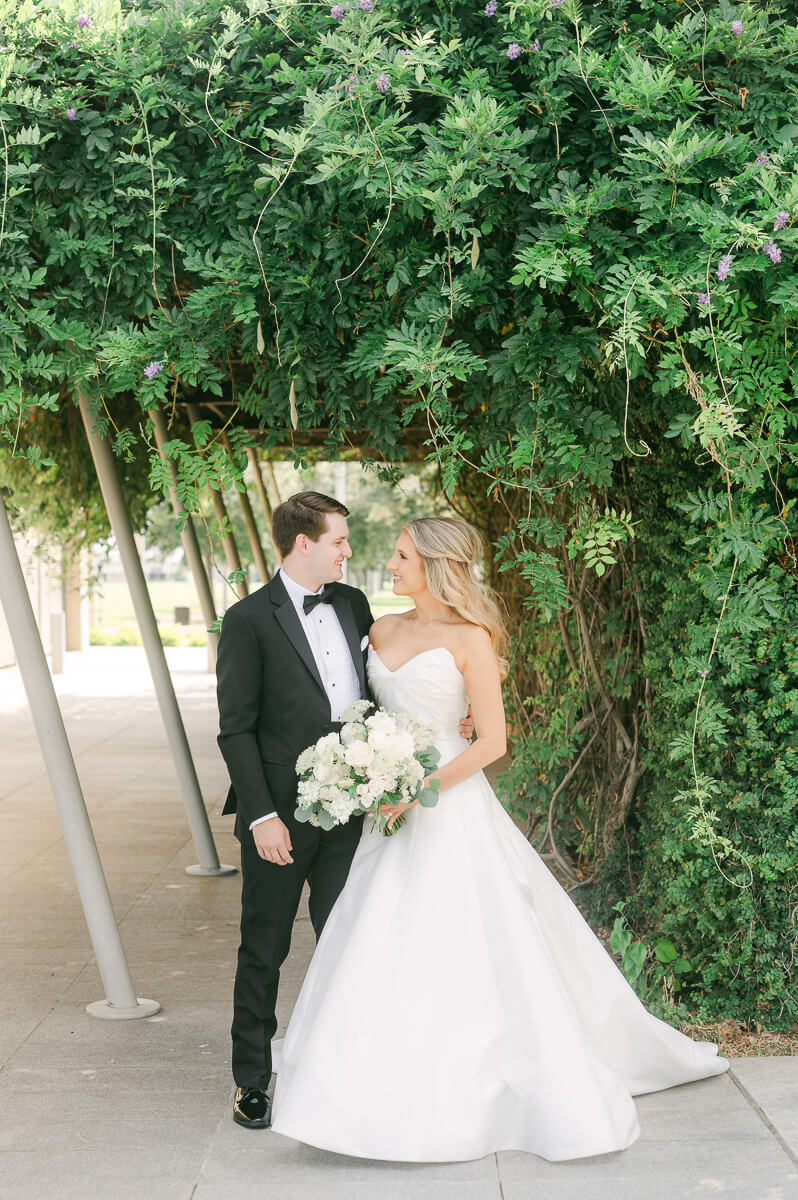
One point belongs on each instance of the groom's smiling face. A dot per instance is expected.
(324, 558)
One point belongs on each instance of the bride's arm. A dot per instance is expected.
(483, 683)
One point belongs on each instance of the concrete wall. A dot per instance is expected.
(51, 590)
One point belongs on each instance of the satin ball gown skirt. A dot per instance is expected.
(458, 1003)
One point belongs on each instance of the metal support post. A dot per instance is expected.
(188, 536)
(162, 681)
(232, 557)
(121, 1001)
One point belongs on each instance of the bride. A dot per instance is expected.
(457, 1003)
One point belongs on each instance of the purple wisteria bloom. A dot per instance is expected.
(73, 45)
(781, 219)
(366, 5)
(773, 252)
(556, 3)
(513, 50)
(403, 54)
(84, 21)
(153, 369)
(535, 45)
(702, 298)
(383, 84)
(724, 266)
(71, 114)
(761, 159)
(736, 28)
(491, 7)
(337, 12)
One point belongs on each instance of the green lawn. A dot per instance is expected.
(113, 610)
(384, 602)
(113, 607)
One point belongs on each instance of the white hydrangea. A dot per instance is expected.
(356, 711)
(354, 731)
(309, 791)
(422, 735)
(341, 808)
(305, 760)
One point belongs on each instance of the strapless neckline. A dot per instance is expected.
(407, 662)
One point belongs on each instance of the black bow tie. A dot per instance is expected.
(325, 596)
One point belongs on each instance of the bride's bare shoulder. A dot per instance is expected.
(469, 642)
(384, 628)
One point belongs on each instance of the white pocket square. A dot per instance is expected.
(364, 642)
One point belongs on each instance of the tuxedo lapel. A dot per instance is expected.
(343, 610)
(286, 616)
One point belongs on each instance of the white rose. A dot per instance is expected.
(385, 763)
(381, 721)
(359, 754)
(401, 745)
(380, 783)
(380, 739)
(330, 794)
(330, 770)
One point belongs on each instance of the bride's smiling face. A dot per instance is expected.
(407, 568)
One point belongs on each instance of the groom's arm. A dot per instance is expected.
(239, 682)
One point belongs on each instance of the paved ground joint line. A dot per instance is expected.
(499, 1177)
(764, 1118)
(206, 1157)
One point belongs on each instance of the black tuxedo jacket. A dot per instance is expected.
(272, 703)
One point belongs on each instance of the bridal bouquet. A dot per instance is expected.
(377, 759)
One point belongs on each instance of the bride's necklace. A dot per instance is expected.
(412, 616)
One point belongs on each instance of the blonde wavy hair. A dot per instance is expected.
(450, 550)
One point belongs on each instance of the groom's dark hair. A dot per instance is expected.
(305, 512)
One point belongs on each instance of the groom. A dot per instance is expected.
(291, 658)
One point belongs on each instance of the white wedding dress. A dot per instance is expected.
(458, 1003)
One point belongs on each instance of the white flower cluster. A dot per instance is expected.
(375, 759)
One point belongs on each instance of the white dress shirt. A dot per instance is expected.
(330, 650)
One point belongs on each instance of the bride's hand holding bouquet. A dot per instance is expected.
(394, 813)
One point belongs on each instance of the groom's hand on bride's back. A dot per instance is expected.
(467, 726)
(273, 842)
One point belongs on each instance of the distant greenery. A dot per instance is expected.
(130, 635)
(553, 248)
(376, 513)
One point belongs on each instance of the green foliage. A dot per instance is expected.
(657, 977)
(717, 863)
(568, 277)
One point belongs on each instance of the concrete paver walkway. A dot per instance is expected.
(93, 1109)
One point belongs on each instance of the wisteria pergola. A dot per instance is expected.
(552, 247)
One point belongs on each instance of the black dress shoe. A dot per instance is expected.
(252, 1108)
